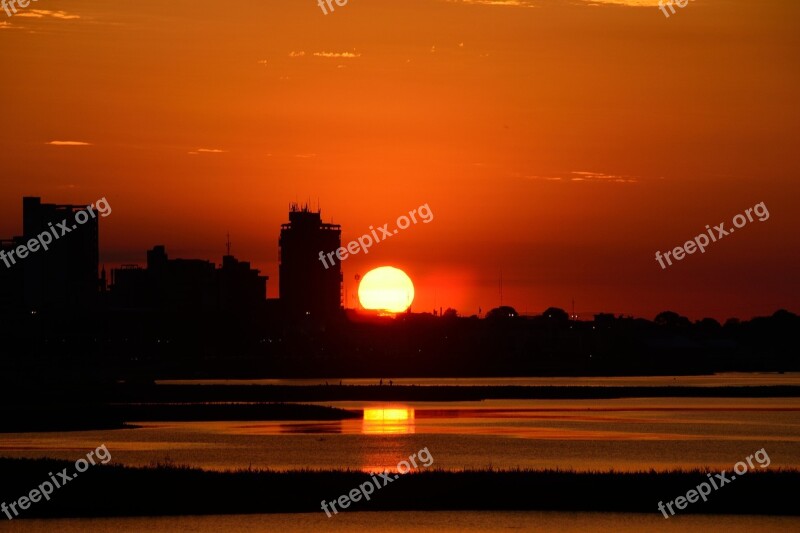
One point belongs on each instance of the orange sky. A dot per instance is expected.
(562, 142)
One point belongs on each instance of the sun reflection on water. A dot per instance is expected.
(392, 421)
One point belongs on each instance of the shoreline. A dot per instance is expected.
(165, 394)
(88, 417)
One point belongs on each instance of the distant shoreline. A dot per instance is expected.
(60, 417)
(321, 393)
(106, 491)
(127, 394)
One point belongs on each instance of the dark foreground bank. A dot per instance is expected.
(125, 491)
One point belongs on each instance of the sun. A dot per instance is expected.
(386, 289)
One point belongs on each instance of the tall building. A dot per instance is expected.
(65, 275)
(306, 286)
(11, 282)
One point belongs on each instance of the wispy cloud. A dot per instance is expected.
(207, 151)
(337, 55)
(505, 3)
(544, 178)
(46, 13)
(5, 25)
(327, 55)
(631, 3)
(579, 176)
(599, 176)
(68, 143)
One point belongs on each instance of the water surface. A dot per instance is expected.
(621, 434)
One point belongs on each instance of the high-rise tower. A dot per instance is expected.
(67, 274)
(306, 286)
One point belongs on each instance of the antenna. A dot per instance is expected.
(228, 243)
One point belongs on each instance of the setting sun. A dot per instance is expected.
(386, 289)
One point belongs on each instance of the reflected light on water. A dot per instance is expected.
(392, 421)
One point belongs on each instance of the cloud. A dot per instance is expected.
(630, 3)
(337, 55)
(505, 3)
(208, 151)
(305, 156)
(42, 13)
(599, 176)
(68, 143)
(544, 178)
(580, 176)
(5, 25)
(326, 55)
(262, 62)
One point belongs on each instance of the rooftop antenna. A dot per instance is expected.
(228, 243)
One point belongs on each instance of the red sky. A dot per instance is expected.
(560, 142)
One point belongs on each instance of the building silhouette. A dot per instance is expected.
(11, 281)
(240, 286)
(65, 275)
(188, 284)
(306, 286)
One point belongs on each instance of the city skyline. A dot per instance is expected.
(301, 294)
(349, 298)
